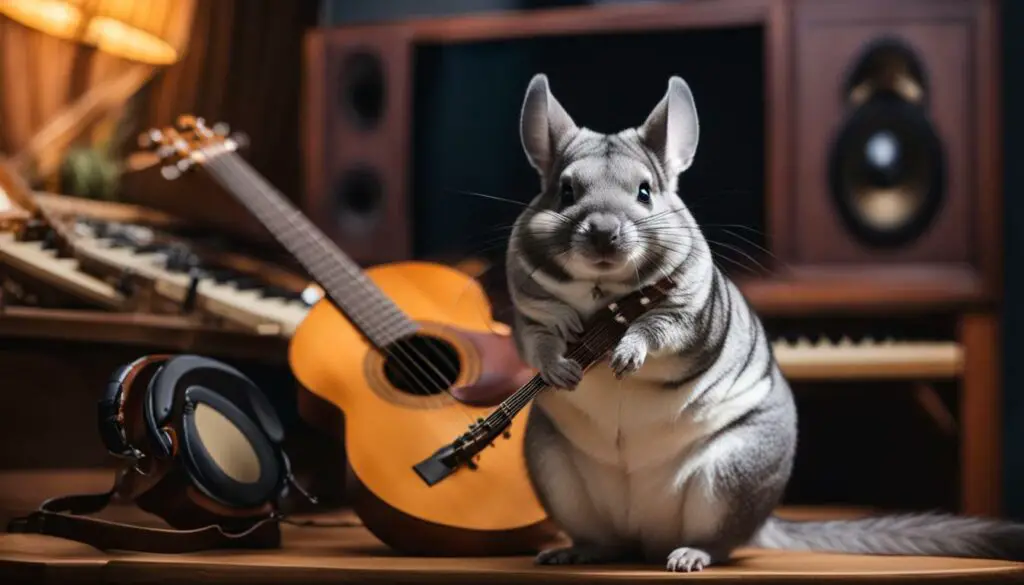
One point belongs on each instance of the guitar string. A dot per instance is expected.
(299, 248)
(284, 210)
(402, 346)
(579, 352)
(385, 333)
(522, 396)
(389, 330)
(507, 410)
(446, 383)
(519, 399)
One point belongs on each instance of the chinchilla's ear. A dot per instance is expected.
(672, 130)
(543, 124)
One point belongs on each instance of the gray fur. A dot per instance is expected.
(678, 447)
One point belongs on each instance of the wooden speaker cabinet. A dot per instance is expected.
(358, 143)
(854, 145)
(944, 113)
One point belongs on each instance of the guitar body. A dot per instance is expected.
(488, 511)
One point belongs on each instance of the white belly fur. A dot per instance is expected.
(639, 456)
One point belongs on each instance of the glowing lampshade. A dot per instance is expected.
(147, 31)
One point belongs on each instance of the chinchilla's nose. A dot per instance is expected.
(603, 232)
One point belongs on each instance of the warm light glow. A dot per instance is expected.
(148, 31)
(118, 38)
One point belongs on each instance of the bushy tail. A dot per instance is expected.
(938, 535)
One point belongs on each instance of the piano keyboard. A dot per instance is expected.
(35, 259)
(232, 296)
(868, 358)
(272, 310)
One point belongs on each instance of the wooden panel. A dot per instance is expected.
(338, 147)
(981, 395)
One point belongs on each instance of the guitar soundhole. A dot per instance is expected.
(421, 365)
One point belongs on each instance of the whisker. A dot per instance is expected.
(759, 247)
(744, 254)
(491, 197)
(511, 202)
(710, 255)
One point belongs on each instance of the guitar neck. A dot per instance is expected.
(344, 282)
(594, 345)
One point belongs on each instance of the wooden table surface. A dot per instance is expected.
(352, 555)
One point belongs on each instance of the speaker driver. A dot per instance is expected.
(363, 89)
(358, 198)
(887, 168)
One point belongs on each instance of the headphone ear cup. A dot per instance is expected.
(106, 413)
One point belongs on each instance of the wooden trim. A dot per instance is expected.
(312, 128)
(855, 11)
(66, 206)
(988, 161)
(865, 289)
(573, 20)
(877, 361)
(779, 141)
(170, 332)
(981, 416)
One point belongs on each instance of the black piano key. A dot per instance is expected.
(151, 248)
(246, 283)
(50, 240)
(222, 275)
(121, 240)
(181, 259)
(277, 292)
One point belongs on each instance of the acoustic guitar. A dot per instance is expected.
(409, 353)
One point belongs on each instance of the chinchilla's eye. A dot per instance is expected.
(567, 196)
(643, 194)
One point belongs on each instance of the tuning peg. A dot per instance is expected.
(150, 138)
(165, 151)
(170, 172)
(186, 122)
(185, 164)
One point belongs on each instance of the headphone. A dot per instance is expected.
(165, 415)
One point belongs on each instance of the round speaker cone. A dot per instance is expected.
(363, 89)
(887, 172)
(358, 198)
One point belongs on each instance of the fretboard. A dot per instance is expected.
(344, 282)
(594, 345)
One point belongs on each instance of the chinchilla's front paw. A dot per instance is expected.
(561, 372)
(629, 355)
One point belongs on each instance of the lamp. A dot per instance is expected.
(149, 33)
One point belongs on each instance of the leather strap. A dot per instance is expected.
(64, 517)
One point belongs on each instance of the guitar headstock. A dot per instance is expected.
(189, 142)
